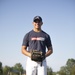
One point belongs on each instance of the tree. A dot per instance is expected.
(71, 66)
(49, 71)
(62, 70)
(18, 67)
(6, 69)
(70, 63)
(15, 70)
(73, 70)
(1, 70)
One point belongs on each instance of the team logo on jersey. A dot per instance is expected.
(38, 38)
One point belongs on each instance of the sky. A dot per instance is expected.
(16, 17)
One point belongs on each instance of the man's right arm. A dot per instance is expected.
(25, 52)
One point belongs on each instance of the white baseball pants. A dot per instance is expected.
(35, 68)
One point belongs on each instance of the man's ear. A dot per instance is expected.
(32, 23)
(41, 23)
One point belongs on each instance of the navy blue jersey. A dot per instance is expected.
(37, 41)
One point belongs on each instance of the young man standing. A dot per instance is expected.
(38, 40)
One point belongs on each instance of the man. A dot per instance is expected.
(38, 40)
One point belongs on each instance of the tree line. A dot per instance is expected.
(17, 69)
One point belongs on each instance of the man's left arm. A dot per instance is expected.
(49, 52)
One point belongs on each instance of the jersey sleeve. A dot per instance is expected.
(48, 42)
(25, 40)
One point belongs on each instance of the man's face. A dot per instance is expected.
(37, 24)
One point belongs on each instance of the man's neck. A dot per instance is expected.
(37, 30)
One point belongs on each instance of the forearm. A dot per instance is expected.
(49, 52)
(25, 52)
